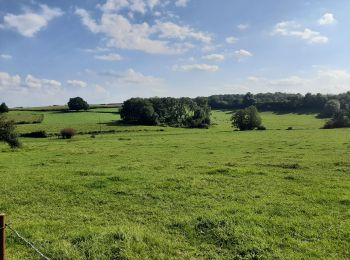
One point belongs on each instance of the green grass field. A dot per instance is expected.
(179, 193)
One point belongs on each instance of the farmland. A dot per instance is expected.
(150, 192)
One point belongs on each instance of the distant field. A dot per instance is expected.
(179, 193)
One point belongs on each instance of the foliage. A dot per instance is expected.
(68, 133)
(36, 134)
(77, 104)
(3, 108)
(331, 108)
(182, 112)
(340, 119)
(279, 102)
(8, 133)
(246, 119)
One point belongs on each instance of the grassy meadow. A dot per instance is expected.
(169, 193)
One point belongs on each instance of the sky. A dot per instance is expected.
(107, 51)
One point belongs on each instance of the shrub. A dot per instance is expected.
(339, 120)
(77, 104)
(68, 133)
(246, 119)
(8, 133)
(36, 134)
(330, 108)
(290, 128)
(261, 128)
(3, 108)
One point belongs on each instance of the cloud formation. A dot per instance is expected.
(30, 23)
(196, 67)
(291, 28)
(327, 19)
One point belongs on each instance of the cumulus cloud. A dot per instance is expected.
(196, 67)
(181, 3)
(30, 23)
(172, 30)
(231, 40)
(131, 77)
(241, 55)
(214, 57)
(291, 28)
(124, 33)
(6, 56)
(327, 19)
(325, 81)
(109, 57)
(9, 82)
(77, 83)
(134, 6)
(242, 27)
(32, 82)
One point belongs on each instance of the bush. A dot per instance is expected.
(3, 108)
(36, 134)
(290, 128)
(246, 119)
(261, 128)
(77, 104)
(68, 133)
(339, 120)
(330, 108)
(8, 133)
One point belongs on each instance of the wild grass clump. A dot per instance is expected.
(68, 133)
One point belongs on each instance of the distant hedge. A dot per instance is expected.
(178, 112)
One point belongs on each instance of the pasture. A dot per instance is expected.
(169, 193)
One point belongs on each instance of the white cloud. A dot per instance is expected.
(134, 6)
(294, 29)
(214, 57)
(77, 83)
(32, 82)
(325, 81)
(131, 77)
(242, 54)
(123, 34)
(181, 3)
(172, 30)
(242, 27)
(231, 40)
(6, 56)
(30, 23)
(7, 81)
(327, 19)
(109, 57)
(196, 67)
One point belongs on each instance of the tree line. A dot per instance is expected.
(278, 102)
(178, 112)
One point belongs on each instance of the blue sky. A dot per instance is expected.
(110, 50)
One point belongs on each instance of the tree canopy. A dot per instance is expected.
(180, 112)
(77, 104)
(246, 119)
(3, 108)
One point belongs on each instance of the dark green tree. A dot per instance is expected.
(246, 119)
(77, 104)
(8, 133)
(248, 100)
(3, 108)
(331, 108)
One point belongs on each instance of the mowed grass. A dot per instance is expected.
(181, 193)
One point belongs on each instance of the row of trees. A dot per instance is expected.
(179, 112)
(279, 102)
